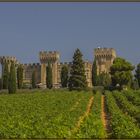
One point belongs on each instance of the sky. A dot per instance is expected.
(27, 28)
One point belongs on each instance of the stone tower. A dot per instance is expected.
(53, 58)
(8, 60)
(104, 59)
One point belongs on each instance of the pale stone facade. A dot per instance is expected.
(104, 59)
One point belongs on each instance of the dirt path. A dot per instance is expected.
(81, 118)
(104, 116)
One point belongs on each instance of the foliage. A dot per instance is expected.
(132, 97)
(5, 76)
(33, 79)
(94, 73)
(0, 83)
(77, 78)
(125, 105)
(123, 126)
(135, 84)
(104, 79)
(64, 76)
(42, 114)
(49, 76)
(12, 79)
(137, 75)
(20, 76)
(121, 72)
(93, 127)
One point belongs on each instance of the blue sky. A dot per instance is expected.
(27, 28)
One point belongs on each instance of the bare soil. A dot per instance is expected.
(81, 118)
(105, 116)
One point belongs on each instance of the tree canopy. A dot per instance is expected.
(64, 76)
(94, 73)
(121, 72)
(20, 76)
(49, 76)
(33, 79)
(77, 78)
(5, 76)
(137, 75)
(12, 79)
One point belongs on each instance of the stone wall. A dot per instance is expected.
(28, 70)
(104, 59)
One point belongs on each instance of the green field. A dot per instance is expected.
(64, 114)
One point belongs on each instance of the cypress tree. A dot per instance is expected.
(12, 79)
(0, 83)
(94, 73)
(77, 80)
(20, 76)
(5, 76)
(33, 80)
(64, 76)
(49, 76)
(137, 75)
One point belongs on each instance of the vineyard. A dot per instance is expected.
(64, 114)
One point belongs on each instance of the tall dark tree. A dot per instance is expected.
(5, 76)
(49, 76)
(33, 79)
(103, 79)
(12, 79)
(121, 72)
(64, 76)
(137, 75)
(20, 76)
(135, 84)
(77, 80)
(0, 83)
(94, 73)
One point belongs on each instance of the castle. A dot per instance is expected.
(104, 59)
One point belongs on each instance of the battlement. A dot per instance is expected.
(31, 65)
(64, 63)
(87, 63)
(8, 59)
(46, 56)
(103, 52)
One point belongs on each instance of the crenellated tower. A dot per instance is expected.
(8, 60)
(104, 59)
(53, 59)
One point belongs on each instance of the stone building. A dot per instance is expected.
(104, 59)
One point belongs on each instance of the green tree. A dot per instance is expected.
(121, 72)
(0, 83)
(12, 79)
(135, 84)
(137, 75)
(5, 76)
(77, 80)
(64, 76)
(103, 79)
(49, 76)
(33, 79)
(20, 76)
(94, 73)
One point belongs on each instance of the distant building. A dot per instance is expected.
(104, 59)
